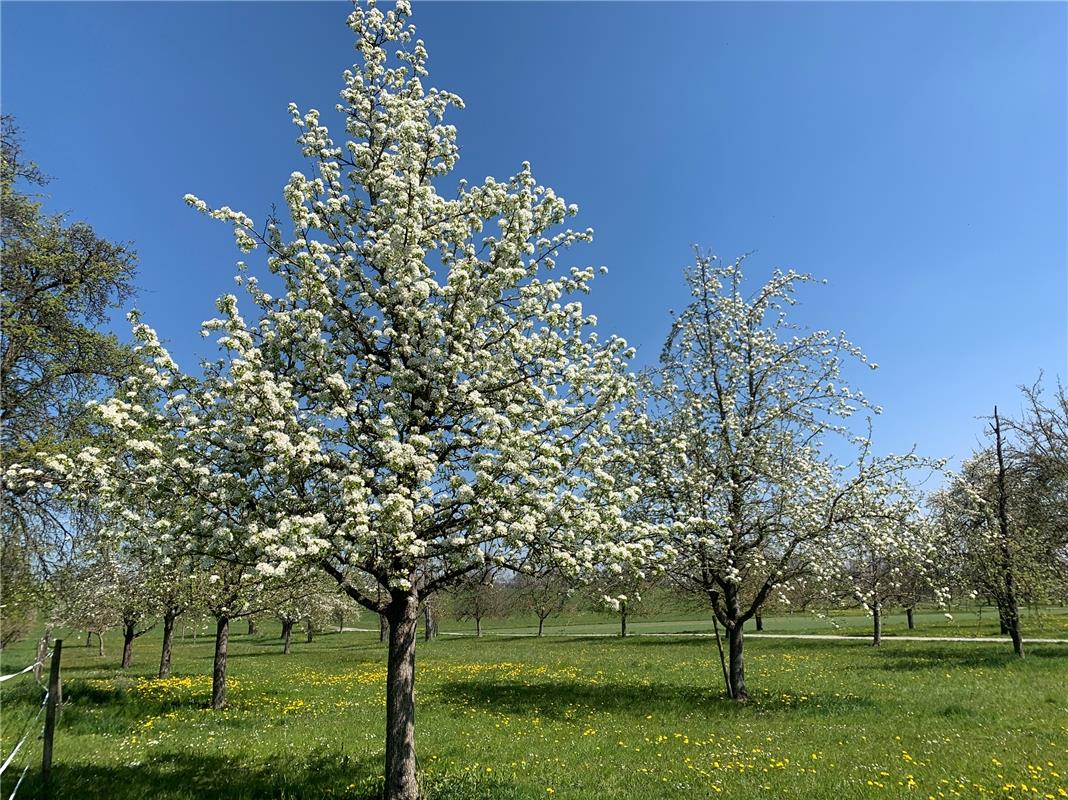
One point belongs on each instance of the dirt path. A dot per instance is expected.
(815, 636)
(887, 638)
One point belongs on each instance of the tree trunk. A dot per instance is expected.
(311, 632)
(623, 619)
(340, 621)
(168, 638)
(1012, 608)
(877, 624)
(88, 638)
(478, 627)
(1003, 622)
(541, 626)
(100, 644)
(759, 621)
(909, 619)
(401, 780)
(218, 672)
(428, 622)
(383, 628)
(251, 626)
(1012, 621)
(737, 663)
(287, 637)
(127, 646)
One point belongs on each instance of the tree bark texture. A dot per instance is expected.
(736, 661)
(128, 634)
(428, 622)
(218, 671)
(168, 640)
(401, 778)
(1012, 608)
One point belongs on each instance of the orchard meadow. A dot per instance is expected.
(692, 564)
(514, 716)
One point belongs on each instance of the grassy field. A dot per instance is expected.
(517, 717)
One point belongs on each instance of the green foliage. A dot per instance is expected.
(21, 592)
(59, 283)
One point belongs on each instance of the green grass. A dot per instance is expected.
(569, 717)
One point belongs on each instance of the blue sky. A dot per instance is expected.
(914, 155)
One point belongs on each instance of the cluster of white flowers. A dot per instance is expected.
(424, 389)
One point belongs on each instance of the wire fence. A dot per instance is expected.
(30, 725)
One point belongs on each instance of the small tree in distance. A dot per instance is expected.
(1004, 513)
(544, 593)
(890, 558)
(478, 597)
(86, 598)
(621, 593)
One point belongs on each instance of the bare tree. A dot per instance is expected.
(478, 597)
(545, 593)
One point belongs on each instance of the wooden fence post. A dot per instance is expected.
(50, 720)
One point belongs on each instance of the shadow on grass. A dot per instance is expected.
(702, 640)
(932, 656)
(174, 776)
(305, 650)
(686, 640)
(559, 699)
(119, 694)
(116, 707)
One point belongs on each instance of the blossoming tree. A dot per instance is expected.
(86, 599)
(312, 598)
(731, 444)
(620, 594)
(184, 475)
(890, 556)
(428, 384)
(180, 586)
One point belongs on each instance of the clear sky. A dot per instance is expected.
(913, 154)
